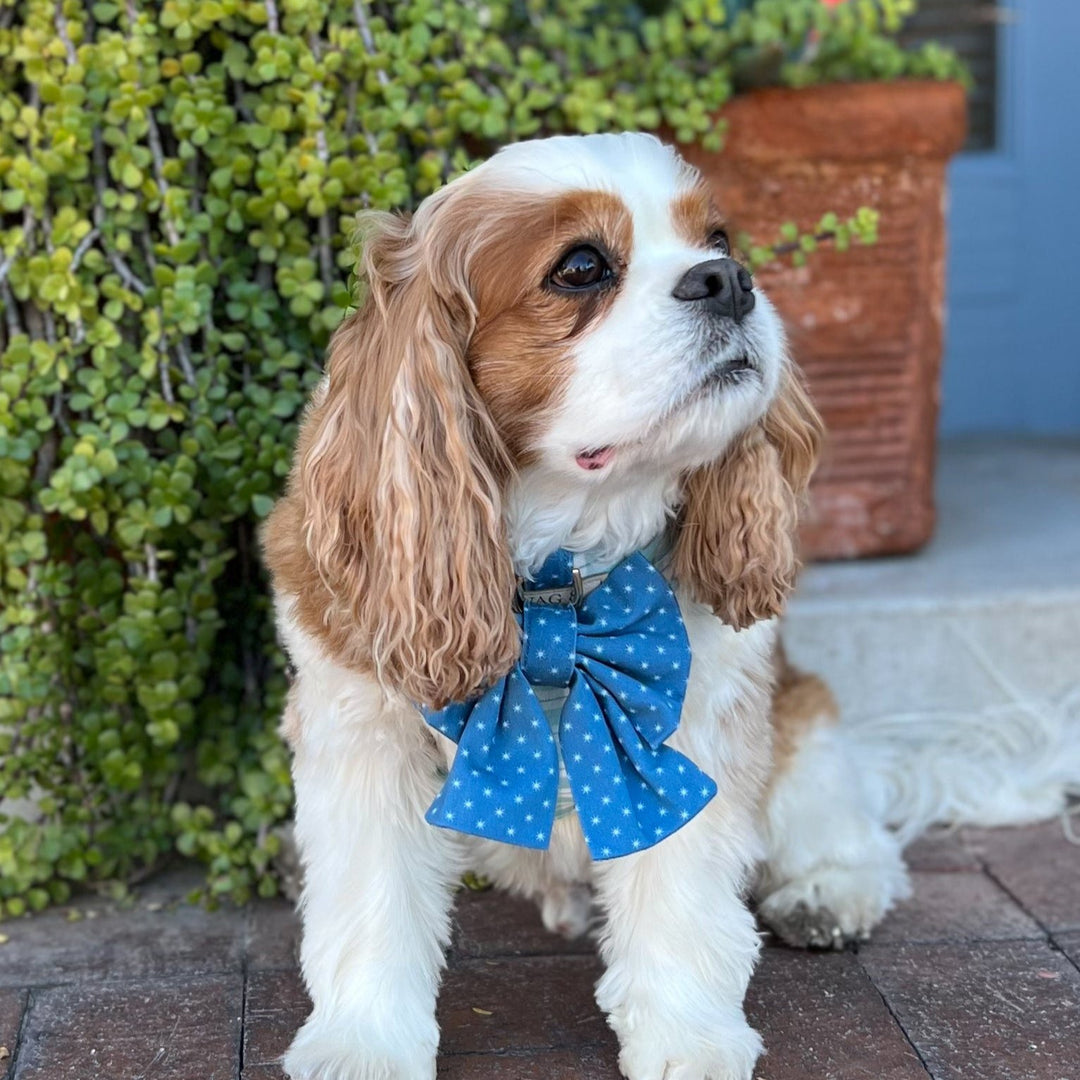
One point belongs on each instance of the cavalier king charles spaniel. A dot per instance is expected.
(558, 358)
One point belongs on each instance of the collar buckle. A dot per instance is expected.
(561, 596)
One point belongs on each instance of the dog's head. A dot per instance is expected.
(558, 349)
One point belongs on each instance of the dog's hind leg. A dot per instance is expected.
(831, 870)
(556, 880)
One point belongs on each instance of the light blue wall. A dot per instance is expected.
(1012, 359)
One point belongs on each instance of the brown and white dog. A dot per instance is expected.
(557, 350)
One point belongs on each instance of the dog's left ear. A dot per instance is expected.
(391, 537)
(735, 544)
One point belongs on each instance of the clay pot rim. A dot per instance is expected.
(848, 121)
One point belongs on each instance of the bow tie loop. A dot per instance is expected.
(623, 655)
(549, 644)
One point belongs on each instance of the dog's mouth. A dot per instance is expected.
(594, 460)
(727, 373)
(731, 372)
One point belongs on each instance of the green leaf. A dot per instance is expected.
(261, 505)
(153, 377)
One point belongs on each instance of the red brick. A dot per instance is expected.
(263, 1072)
(821, 1018)
(275, 1005)
(1038, 866)
(984, 1011)
(12, 1004)
(503, 1006)
(588, 1064)
(940, 851)
(493, 923)
(956, 906)
(273, 936)
(167, 1029)
(1070, 945)
(138, 943)
(512, 1006)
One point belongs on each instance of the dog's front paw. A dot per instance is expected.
(726, 1049)
(333, 1052)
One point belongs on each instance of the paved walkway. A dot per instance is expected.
(976, 978)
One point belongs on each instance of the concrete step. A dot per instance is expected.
(985, 618)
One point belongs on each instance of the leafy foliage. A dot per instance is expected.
(177, 182)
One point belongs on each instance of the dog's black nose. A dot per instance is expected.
(725, 287)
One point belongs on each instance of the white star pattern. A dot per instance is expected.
(511, 730)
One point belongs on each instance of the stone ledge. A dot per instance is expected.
(1008, 529)
(986, 617)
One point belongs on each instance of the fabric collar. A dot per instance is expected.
(622, 652)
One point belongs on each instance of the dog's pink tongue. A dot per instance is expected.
(595, 459)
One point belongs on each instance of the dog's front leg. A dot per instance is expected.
(377, 891)
(680, 946)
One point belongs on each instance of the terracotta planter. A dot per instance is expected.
(866, 325)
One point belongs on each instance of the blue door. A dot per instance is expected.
(1012, 361)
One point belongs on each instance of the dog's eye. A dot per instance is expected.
(718, 239)
(582, 268)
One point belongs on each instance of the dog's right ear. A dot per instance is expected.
(395, 502)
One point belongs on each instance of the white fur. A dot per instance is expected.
(1006, 765)
(1009, 764)
(833, 870)
(636, 372)
(378, 879)
(678, 940)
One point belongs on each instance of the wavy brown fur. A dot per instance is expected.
(390, 536)
(735, 546)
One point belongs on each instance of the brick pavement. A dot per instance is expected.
(976, 978)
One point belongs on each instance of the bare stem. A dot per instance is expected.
(151, 562)
(796, 245)
(326, 254)
(46, 229)
(126, 274)
(166, 380)
(46, 459)
(58, 410)
(241, 108)
(11, 314)
(158, 156)
(185, 364)
(61, 22)
(326, 251)
(366, 36)
(350, 109)
(85, 244)
(29, 238)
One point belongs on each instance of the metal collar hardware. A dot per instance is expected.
(563, 596)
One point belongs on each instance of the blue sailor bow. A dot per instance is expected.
(624, 655)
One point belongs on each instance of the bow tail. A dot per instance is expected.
(629, 794)
(503, 783)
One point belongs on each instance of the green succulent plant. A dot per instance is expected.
(178, 181)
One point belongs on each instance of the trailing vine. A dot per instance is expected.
(177, 186)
